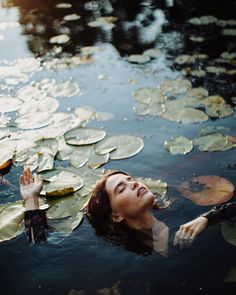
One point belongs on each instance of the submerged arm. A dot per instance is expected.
(35, 220)
(188, 231)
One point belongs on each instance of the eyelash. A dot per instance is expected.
(130, 178)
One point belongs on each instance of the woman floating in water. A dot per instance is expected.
(119, 208)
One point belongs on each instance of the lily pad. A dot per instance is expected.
(228, 231)
(68, 224)
(152, 52)
(9, 104)
(149, 95)
(179, 145)
(185, 59)
(59, 39)
(34, 120)
(106, 22)
(71, 17)
(138, 58)
(203, 20)
(120, 146)
(185, 115)
(219, 111)
(213, 142)
(231, 276)
(207, 190)
(67, 89)
(11, 220)
(46, 104)
(60, 183)
(176, 86)
(83, 136)
(229, 32)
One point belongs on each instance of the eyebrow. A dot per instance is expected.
(117, 186)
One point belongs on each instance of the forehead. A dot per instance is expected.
(113, 180)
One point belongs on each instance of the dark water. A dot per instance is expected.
(82, 261)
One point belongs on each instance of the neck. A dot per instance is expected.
(144, 221)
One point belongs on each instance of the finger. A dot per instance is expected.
(187, 240)
(25, 177)
(176, 238)
(181, 239)
(31, 180)
(21, 180)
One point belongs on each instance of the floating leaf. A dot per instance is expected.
(228, 55)
(219, 111)
(212, 142)
(179, 145)
(153, 52)
(141, 109)
(46, 163)
(107, 22)
(46, 104)
(185, 58)
(85, 113)
(59, 39)
(7, 149)
(67, 89)
(34, 120)
(31, 92)
(71, 17)
(60, 183)
(229, 32)
(197, 38)
(63, 5)
(83, 136)
(9, 104)
(215, 70)
(228, 231)
(138, 58)
(68, 224)
(203, 20)
(176, 86)
(157, 186)
(121, 146)
(11, 217)
(89, 176)
(66, 206)
(5, 167)
(231, 276)
(207, 190)
(80, 156)
(185, 115)
(148, 95)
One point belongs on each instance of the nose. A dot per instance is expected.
(134, 185)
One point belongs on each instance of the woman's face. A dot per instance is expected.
(128, 197)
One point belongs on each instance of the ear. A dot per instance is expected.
(116, 217)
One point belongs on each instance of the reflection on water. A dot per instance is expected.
(81, 261)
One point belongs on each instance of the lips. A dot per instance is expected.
(141, 191)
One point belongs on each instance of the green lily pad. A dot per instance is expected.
(120, 146)
(34, 120)
(229, 32)
(11, 220)
(228, 231)
(219, 111)
(138, 58)
(179, 145)
(9, 104)
(203, 20)
(152, 52)
(231, 276)
(185, 115)
(176, 86)
(185, 59)
(149, 95)
(60, 183)
(84, 136)
(67, 89)
(46, 104)
(214, 142)
(59, 39)
(71, 17)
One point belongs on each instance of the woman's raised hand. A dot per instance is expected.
(30, 188)
(188, 232)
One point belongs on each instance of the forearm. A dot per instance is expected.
(31, 202)
(220, 212)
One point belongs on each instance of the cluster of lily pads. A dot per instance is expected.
(176, 100)
(209, 139)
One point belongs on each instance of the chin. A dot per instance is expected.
(149, 198)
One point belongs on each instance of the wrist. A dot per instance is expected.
(31, 202)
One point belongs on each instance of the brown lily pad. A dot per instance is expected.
(207, 190)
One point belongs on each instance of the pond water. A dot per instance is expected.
(82, 263)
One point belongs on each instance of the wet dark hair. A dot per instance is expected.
(99, 214)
